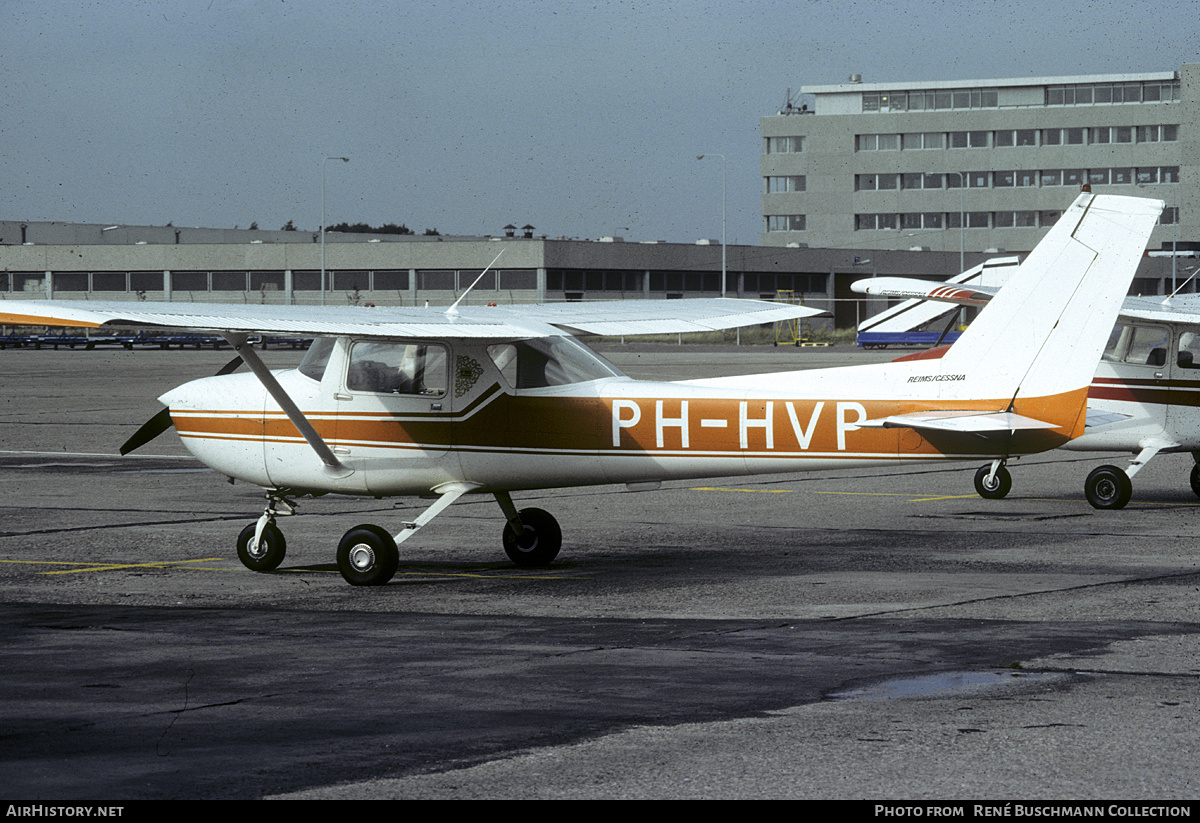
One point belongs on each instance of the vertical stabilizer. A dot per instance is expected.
(1044, 332)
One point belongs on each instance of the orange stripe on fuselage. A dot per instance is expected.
(669, 425)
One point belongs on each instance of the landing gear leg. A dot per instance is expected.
(993, 480)
(261, 545)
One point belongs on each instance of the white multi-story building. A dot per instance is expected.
(977, 164)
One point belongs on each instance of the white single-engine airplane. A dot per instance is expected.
(408, 401)
(1144, 398)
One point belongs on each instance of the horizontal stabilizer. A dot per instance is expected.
(960, 422)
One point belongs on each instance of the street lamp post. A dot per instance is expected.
(323, 162)
(724, 168)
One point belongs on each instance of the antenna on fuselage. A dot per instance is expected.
(453, 310)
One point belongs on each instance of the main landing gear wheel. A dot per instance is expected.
(1195, 479)
(268, 554)
(995, 487)
(367, 556)
(540, 543)
(1108, 488)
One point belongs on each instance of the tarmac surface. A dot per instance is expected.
(853, 634)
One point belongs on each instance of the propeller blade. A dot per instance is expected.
(151, 429)
(231, 366)
(162, 421)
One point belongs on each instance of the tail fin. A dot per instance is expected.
(1044, 332)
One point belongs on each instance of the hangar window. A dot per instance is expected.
(385, 367)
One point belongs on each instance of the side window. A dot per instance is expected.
(1148, 346)
(548, 361)
(1188, 356)
(397, 368)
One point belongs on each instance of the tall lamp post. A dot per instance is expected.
(723, 212)
(323, 162)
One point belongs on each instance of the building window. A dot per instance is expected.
(1169, 216)
(778, 185)
(189, 281)
(878, 142)
(876, 182)
(229, 281)
(113, 281)
(1015, 137)
(1014, 219)
(870, 222)
(144, 281)
(930, 100)
(785, 145)
(1098, 177)
(265, 281)
(435, 280)
(395, 280)
(1087, 94)
(967, 179)
(968, 139)
(785, 222)
(350, 281)
(974, 219)
(71, 281)
(924, 140)
(920, 180)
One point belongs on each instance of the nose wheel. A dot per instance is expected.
(267, 554)
(993, 484)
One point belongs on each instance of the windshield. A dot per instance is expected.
(549, 361)
(314, 363)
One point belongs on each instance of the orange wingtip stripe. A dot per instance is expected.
(11, 319)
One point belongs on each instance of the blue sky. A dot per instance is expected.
(582, 118)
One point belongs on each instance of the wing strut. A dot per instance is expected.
(333, 466)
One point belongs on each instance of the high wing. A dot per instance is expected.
(1178, 309)
(974, 287)
(541, 320)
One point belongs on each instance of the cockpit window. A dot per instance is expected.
(397, 368)
(314, 362)
(549, 361)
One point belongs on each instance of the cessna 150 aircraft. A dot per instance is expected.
(1143, 399)
(492, 400)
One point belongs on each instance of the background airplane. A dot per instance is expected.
(493, 400)
(1144, 397)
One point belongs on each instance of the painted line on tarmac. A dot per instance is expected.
(746, 491)
(81, 567)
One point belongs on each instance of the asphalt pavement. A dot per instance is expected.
(877, 633)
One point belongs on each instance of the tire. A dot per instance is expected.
(1108, 488)
(269, 553)
(1195, 479)
(540, 543)
(367, 556)
(999, 487)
